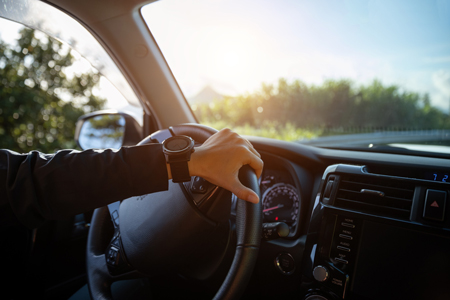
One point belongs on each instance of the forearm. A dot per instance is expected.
(40, 187)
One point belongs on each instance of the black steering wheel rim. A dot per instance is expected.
(248, 232)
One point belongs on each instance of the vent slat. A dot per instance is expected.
(376, 206)
(409, 200)
(396, 202)
(374, 209)
(375, 185)
(388, 190)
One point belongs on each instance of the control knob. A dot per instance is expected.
(320, 273)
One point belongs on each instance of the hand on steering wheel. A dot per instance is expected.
(221, 157)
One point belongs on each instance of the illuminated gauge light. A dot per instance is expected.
(281, 203)
(267, 181)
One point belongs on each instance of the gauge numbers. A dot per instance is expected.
(281, 203)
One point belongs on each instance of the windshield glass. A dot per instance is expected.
(330, 73)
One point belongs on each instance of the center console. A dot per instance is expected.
(375, 236)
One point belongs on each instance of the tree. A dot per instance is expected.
(336, 106)
(39, 103)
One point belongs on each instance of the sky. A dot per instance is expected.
(236, 45)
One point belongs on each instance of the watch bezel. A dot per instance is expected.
(187, 149)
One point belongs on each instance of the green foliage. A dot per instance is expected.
(109, 128)
(274, 130)
(293, 111)
(39, 103)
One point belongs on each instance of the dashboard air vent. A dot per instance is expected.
(375, 195)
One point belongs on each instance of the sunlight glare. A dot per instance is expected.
(229, 56)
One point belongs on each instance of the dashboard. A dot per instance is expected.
(361, 225)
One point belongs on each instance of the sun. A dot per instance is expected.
(231, 56)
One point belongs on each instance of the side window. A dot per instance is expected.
(45, 86)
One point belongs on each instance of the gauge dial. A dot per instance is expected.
(267, 182)
(281, 203)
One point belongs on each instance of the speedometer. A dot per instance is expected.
(281, 203)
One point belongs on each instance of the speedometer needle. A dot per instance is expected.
(272, 208)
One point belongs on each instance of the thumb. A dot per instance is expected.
(244, 193)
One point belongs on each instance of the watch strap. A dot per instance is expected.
(180, 171)
(178, 158)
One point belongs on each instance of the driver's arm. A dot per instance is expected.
(39, 187)
(36, 187)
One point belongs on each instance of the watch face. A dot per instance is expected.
(177, 144)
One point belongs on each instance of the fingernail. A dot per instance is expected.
(253, 199)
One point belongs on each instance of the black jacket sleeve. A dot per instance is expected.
(36, 187)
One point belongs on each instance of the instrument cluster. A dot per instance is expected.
(280, 198)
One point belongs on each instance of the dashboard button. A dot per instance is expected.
(347, 225)
(343, 248)
(285, 263)
(347, 237)
(199, 185)
(435, 205)
(341, 260)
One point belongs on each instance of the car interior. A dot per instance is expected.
(332, 223)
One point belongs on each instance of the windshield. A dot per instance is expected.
(313, 71)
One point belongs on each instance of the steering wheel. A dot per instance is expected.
(184, 229)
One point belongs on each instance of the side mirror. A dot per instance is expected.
(107, 129)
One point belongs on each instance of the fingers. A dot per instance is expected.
(251, 148)
(239, 139)
(257, 164)
(219, 159)
(252, 197)
(250, 157)
(244, 193)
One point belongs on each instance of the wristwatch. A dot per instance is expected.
(178, 150)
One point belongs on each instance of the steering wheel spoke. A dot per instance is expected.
(115, 258)
(105, 266)
(114, 255)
